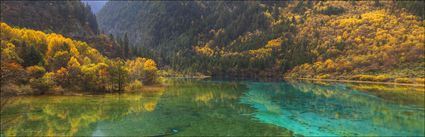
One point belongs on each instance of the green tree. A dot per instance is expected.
(126, 46)
(31, 56)
(118, 75)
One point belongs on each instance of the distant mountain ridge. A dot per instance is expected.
(96, 5)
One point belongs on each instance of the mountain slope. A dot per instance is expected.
(313, 39)
(71, 18)
(365, 42)
(172, 30)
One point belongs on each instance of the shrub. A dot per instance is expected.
(403, 80)
(57, 90)
(15, 89)
(324, 76)
(39, 86)
(36, 71)
(381, 78)
(366, 78)
(150, 72)
(134, 86)
(420, 80)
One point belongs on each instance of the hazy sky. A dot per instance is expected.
(95, 5)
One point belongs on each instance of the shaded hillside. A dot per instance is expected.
(172, 30)
(71, 18)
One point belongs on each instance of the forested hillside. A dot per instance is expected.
(363, 41)
(171, 31)
(33, 62)
(72, 19)
(309, 39)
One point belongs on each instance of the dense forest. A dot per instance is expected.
(72, 19)
(361, 40)
(177, 34)
(33, 62)
(373, 44)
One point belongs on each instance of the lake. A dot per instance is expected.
(224, 108)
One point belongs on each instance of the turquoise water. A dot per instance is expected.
(190, 107)
(336, 109)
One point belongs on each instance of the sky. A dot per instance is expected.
(95, 5)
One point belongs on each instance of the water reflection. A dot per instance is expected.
(184, 108)
(223, 108)
(67, 115)
(335, 109)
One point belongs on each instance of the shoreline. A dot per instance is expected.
(152, 88)
(359, 81)
(194, 77)
(146, 89)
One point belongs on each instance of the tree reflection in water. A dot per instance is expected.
(184, 108)
(67, 115)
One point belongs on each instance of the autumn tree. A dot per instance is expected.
(50, 63)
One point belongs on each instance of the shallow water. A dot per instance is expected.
(338, 109)
(219, 108)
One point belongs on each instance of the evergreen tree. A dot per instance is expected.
(30, 55)
(118, 75)
(126, 46)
